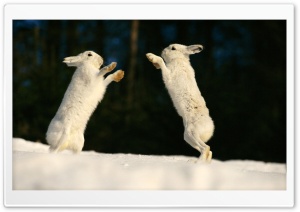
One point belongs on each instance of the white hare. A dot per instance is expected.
(179, 78)
(83, 94)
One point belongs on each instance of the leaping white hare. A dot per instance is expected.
(83, 94)
(179, 78)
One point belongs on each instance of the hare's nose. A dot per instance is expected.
(201, 48)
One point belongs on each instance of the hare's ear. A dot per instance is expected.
(72, 61)
(193, 49)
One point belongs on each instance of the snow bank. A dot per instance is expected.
(34, 168)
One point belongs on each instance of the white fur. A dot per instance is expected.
(179, 78)
(83, 94)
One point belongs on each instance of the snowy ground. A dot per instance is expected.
(34, 168)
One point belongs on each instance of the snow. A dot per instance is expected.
(34, 168)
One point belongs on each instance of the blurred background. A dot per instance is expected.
(241, 75)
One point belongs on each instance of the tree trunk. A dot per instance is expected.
(132, 67)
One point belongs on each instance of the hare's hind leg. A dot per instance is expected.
(192, 137)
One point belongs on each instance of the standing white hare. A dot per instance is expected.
(83, 94)
(179, 78)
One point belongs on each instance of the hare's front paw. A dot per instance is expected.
(155, 60)
(108, 68)
(118, 75)
(111, 66)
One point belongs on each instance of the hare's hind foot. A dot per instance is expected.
(118, 75)
(206, 155)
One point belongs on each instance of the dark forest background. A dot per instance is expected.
(241, 74)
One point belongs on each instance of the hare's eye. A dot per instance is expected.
(173, 48)
(90, 55)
